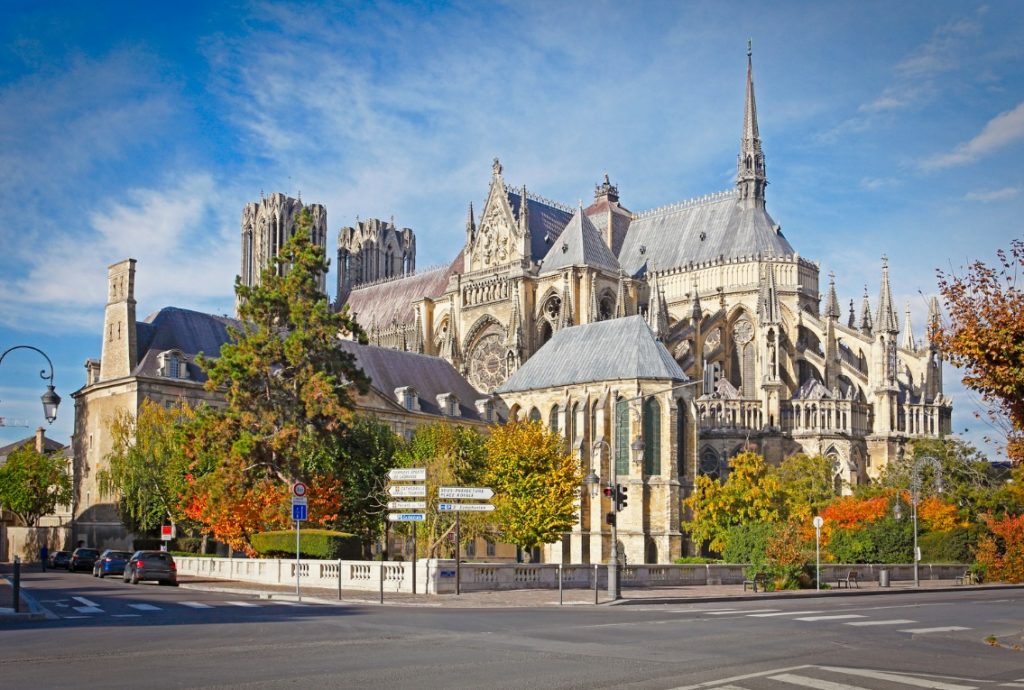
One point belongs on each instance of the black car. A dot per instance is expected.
(59, 559)
(83, 559)
(151, 565)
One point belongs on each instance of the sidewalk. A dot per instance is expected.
(519, 598)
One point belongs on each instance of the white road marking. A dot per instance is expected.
(948, 628)
(898, 678)
(807, 682)
(894, 621)
(811, 619)
(195, 605)
(245, 604)
(145, 607)
(1012, 685)
(738, 613)
(783, 613)
(85, 602)
(747, 676)
(292, 603)
(88, 609)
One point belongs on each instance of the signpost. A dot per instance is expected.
(407, 517)
(407, 505)
(299, 513)
(817, 522)
(166, 532)
(410, 490)
(417, 490)
(408, 474)
(467, 507)
(466, 493)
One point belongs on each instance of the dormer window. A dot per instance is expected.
(485, 408)
(173, 365)
(449, 405)
(407, 398)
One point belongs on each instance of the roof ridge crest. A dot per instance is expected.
(686, 204)
(542, 199)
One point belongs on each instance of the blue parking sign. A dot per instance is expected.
(298, 512)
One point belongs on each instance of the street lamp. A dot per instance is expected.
(50, 398)
(915, 496)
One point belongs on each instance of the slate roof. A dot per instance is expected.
(431, 376)
(580, 244)
(702, 229)
(392, 300)
(602, 351)
(49, 446)
(191, 332)
(546, 222)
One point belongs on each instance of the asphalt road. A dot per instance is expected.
(114, 635)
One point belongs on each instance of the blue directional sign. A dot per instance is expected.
(299, 512)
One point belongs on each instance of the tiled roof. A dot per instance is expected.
(191, 332)
(703, 229)
(580, 244)
(546, 222)
(603, 351)
(389, 369)
(49, 446)
(391, 301)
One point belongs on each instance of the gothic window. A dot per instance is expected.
(534, 414)
(553, 419)
(552, 308)
(748, 371)
(681, 437)
(621, 436)
(487, 369)
(837, 471)
(606, 307)
(652, 436)
(545, 332)
(711, 464)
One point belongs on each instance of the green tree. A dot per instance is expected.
(33, 484)
(752, 493)
(147, 467)
(453, 456)
(536, 484)
(807, 485)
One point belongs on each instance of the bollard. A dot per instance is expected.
(883, 578)
(16, 584)
(559, 584)
(382, 561)
(595, 583)
(339, 579)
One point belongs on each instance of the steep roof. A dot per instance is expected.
(49, 446)
(389, 369)
(392, 300)
(702, 229)
(602, 351)
(580, 244)
(546, 220)
(191, 332)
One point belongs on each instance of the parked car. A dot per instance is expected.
(83, 559)
(151, 565)
(59, 559)
(110, 562)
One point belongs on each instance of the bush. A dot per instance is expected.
(696, 560)
(955, 546)
(748, 543)
(323, 544)
(883, 541)
(190, 545)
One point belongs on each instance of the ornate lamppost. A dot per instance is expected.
(50, 398)
(915, 496)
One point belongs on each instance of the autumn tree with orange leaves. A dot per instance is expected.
(985, 336)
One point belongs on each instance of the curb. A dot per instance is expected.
(36, 611)
(805, 594)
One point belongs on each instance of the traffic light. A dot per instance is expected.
(609, 492)
(620, 497)
(609, 518)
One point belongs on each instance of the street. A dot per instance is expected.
(117, 635)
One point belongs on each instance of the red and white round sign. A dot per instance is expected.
(299, 489)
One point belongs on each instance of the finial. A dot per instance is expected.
(496, 166)
(750, 47)
(606, 180)
(885, 261)
(298, 196)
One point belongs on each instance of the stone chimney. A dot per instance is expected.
(40, 439)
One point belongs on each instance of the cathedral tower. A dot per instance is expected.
(750, 172)
(374, 250)
(119, 355)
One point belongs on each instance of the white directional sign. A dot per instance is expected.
(407, 505)
(465, 492)
(415, 490)
(299, 500)
(472, 507)
(408, 474)
(407, 517)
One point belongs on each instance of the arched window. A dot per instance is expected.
(681, 437)
(534, 415)
(621, 436)
(553, 419)
(711, 464)
(652, 436)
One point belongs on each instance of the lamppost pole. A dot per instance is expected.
(50, 398)
(915, 495)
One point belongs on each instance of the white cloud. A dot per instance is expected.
(1003, 130)
(993, 194)
(873, 184)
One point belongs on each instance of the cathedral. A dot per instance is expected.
(570, 315)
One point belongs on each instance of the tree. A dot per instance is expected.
(536, 483)
(453, 456)
(751, 493)
(985, 336)
(808, 485)
(147, 468)
(33, 484)
(1001, 554)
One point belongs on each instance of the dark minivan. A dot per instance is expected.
(151, 565)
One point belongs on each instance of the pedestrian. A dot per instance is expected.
(44, 553)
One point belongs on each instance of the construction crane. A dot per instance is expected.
(7, 421)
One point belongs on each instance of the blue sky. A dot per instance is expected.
(141, 129)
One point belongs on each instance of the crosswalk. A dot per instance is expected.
(80, 607)
(842, 678)
(852, 619)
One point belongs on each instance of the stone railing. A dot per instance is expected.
(825, 415)
(721, 414)
(438, 576)
(921, 420)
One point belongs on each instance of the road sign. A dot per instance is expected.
(462, 507)
(407, 505)
(817, 522)
(299, 500)
(166, 532)
(408, 474)
(465, 492)
(414, 490)
(407, 517)
(299, 512)
(299, 489)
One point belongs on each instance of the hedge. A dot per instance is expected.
(323, 544)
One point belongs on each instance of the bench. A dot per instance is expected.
(758, 579)
(851, 578)
(966, 579)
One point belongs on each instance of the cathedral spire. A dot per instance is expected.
(885, 320)
(832, 310)
(853, 317)
(657, 309)
(768, 302)
(866, 324)
(594, 313)
(470, 224)
(620, 295)
(909, 342)
(696, 311)
(750, 169)
(515, 326)
(417, 340)
(565, 314)
(934, 321)
(524, 214)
